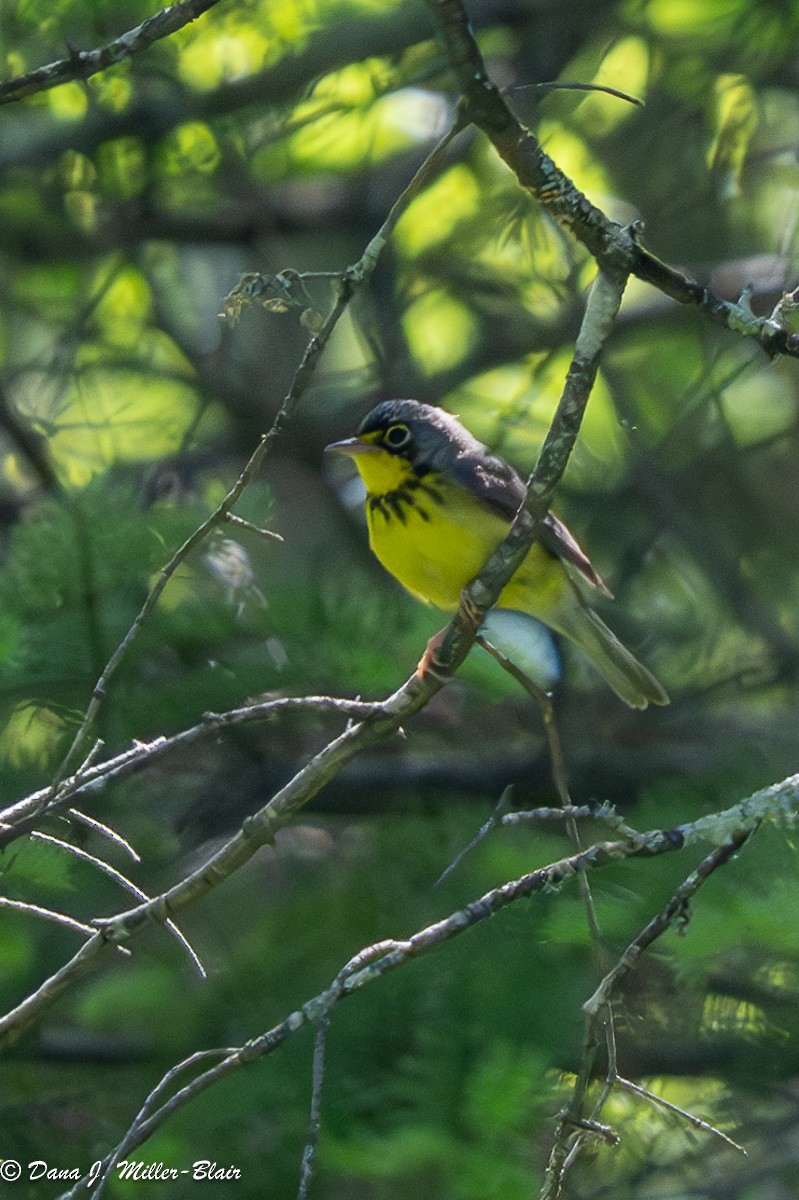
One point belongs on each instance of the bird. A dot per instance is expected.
(438, 502)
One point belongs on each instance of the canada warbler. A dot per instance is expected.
(439, 502)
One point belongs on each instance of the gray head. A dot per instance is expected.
(428, 438)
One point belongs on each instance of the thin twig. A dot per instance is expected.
(232, 519)
(697, 1122)
(84, 63)
(676, 908)
(49, 914)
(493, 821)
(123, 882)
(94, 779)
(570, 1136)
(375, 961)
(315, 1120)
(105, 831)
(348, 282)
(150, 1117)
(563, 86)
(97, 1182)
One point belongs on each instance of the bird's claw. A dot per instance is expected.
(429, 665)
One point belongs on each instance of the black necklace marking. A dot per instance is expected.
(405, 499)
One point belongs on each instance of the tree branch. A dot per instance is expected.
(573, 1126)
(483, 104)
(88, 782)
(84, 63)
(731, 828)
(602, 306)
(260, 829)
(347, 283)
(780, 802)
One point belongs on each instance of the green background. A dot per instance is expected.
(272, 135)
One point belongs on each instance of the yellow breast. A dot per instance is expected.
(434, 536)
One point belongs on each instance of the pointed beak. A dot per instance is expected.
(352, 446)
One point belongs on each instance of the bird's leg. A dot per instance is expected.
(468, 618)
(429, 664)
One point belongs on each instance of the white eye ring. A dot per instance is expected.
(397, 436)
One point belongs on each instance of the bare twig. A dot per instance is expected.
(105, 831)
(16, 819)
(48, 914)
(84, 63)
(674, 910)
(315, 1120)
(493, 821)
(558, 85)
(232, 519)
(377, 960)
(150, 1117)
(559, 777)
(693, 1120)
(97, 1180)
(483, 104)
(122, 881)
(571, 1134)
(348, 282)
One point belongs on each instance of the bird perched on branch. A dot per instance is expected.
(439, 502)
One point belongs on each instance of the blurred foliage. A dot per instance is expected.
(277, 134)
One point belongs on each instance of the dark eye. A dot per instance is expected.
(397, 436)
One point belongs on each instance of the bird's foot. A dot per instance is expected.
(429, 665)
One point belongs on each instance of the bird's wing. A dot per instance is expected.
(557, 538)
(500, 486)
(492, 480)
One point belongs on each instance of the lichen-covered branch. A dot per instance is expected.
(728, 829)
(483, 104)
(260, 829)
(348, 281)
(573, 1126)
(779, 802)
(82, 64)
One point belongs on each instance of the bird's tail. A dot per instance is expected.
(630, 680)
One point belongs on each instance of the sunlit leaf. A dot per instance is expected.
(192, 147)
(31, 736)
(758, 407)
(439, 330)
(735, 121)
(68, 102)
(434, 215)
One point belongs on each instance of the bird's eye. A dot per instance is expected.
(397, 436)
